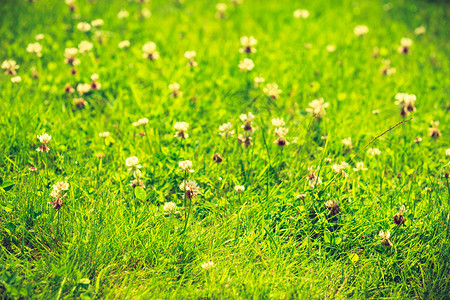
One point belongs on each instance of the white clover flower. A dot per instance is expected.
(146, 13)
(132, 163)
(123, 14)
(181, 128)
(347, 142)
(301, 13)
(124, 44)
(405, 44)
(207, 265)
(186, 165)
(104, 134)
(313, 180)
(373, 151)
(225, 130)
(419, 30)
(361, 30)
(69, 56)
(247, 117)
(330, 48)
(247, 43)
(175, 89)
(278, 122)
(221, 7)
(359, 167)
(61, 186)
(149, 51)
(170, 208)
(84, 27)
(339, 168)
(97, 22)
(447, 152)
(83, 88)
(385, 235)
(246, 65)
(281, 131)
(258, 81)
(190, 187)
(10, 66)
(318, 107)
(406, 102)
(16, 79)
(35, 48)
(239, 189)
(190, 54)
(39, 37)
(44, 138)
(272, 90)
(85, 46)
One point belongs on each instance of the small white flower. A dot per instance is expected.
(208, 265)
(84, 27)
(361, 30)
(330, 48)
(170, 208)
(35, 48)
(16, 79)
(123, 14)
(181, 128)
(239, 189)
(301, 13)
(225, 130)
(39, 37)
(186, 165)
(373, 151)
(83, 88)
(318, 107)
(133, 163)
(104, 134)
(246, 65)
(124, 44)
(447, 152)
(44, 138)
(85, 46)
(149, 51)
(359, 167)
(347, 142)
(278, 122)
(272, 90)
(247, 43)
(419, 30)
(97, 22)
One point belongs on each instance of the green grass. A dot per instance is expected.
(110, 241)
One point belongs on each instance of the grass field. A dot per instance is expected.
(299, 197)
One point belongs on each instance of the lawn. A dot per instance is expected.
(244, 149)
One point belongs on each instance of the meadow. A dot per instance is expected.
(229, 149)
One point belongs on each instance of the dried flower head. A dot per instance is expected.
(217, 158)
(79, 103)
(406, 102)
(333, 207)
(434, 131)
(385, 235)
(405, 44)
(399, 219)
(313, 180)
(190, 187)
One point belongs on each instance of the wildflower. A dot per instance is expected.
(141, 122)
(246, 140)
(328, 160)
(132, 163)
(272, 90)
(281, 132)
(258, 81)
(246, 65)
(186, 165)
(45, 140)
(170, 208)
(434, 131)
(406, 101)
(97, 22)
(247, 119)
(69, 55)
(150, 52)
(83, 88)
(385, 236)
(207, 265)
(95, 85)
(247, 43)
(359, 167)
(387, 69)
(221, 10)
(217, 158)
(190, 188)
(104, 134)
(84, 27)
(57, 193)
(339, 168)
(190, 55)
(175, 90)
(10, 66)
(347, 143)
(71, 4)
(361, 30)
(405, 44)
(330, 48)
(301, 13)
(79, 102)
(375, 111)
(85, 46)
(124, 44)
(68, 88)
(418, 140)
(419, 30)
(318, 108)
(398, 217)
(447, 152)
(333, 207)
(35, 48)
(301, 196)
(313, 179)
(225, 130)
(123, 14)
(278, 122)
(146, 13)
(181, 128)
(137, 180)
(239, 189)
(373, 151)
(16, 79)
